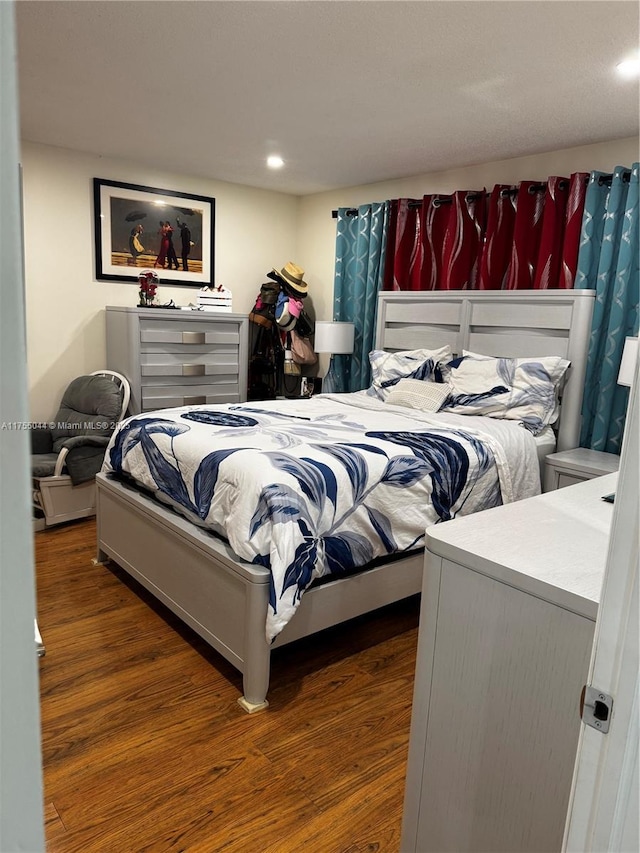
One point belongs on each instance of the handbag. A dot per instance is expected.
(301, 349)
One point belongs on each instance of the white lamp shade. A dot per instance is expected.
(335, 338)
(628, 363)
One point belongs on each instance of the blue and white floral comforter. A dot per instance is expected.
(325, 485)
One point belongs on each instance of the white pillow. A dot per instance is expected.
(417, 394)
(388, 368)
(522, 389)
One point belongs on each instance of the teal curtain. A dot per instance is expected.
(360, 249)
(608, 264)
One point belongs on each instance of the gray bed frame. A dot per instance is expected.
(224, 599)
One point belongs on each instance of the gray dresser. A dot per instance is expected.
(509, 603)
(178, 358)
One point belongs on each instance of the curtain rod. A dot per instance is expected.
(445, 199)
(352, 211)
(606, 179)
(534, 188)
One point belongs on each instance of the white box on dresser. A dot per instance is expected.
(509, 603)
(178, 358)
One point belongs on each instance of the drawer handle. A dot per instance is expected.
(193, 338)
(193, 401)
(193, 369)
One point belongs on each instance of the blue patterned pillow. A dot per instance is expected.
(522, 389)
(388, 368)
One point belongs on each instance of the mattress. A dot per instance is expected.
(322, 486)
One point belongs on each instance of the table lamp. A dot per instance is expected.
(335, 338)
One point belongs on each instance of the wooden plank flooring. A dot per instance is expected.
(145, 748)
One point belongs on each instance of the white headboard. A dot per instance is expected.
(511, 324)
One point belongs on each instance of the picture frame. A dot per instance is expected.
(131, 235)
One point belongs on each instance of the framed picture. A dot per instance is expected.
(140, 228)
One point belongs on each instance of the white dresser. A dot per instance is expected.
(509, 602)
(178, 358)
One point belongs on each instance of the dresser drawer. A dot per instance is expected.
(170, 396)
(203, 380)
(188, 371)
(565, 479)
(191, 334)
(189, 364)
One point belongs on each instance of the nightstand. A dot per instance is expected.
(573, 466)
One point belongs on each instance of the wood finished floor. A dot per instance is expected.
(145, 748)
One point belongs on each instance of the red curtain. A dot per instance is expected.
(572, 228)
(462, 246)
(435, 243)
(404, 239)
(527, 229)
(496, 253)
(519, 237)
(549, 259)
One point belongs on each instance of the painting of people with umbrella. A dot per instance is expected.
(135, 228)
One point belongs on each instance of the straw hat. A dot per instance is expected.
(291, 276)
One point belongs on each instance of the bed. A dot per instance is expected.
(224, 587)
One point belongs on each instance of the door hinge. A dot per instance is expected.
(595, 708)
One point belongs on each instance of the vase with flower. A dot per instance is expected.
(149, 282)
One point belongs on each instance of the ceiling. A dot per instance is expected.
(348, 93)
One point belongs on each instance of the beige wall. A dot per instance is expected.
(316, 228)
(255, 230)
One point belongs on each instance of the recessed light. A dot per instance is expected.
(629, 67)
(275, 162)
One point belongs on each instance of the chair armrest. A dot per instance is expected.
(85, 441)
(75, 443)
(41, 440)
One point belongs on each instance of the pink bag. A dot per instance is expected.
(301, 349)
